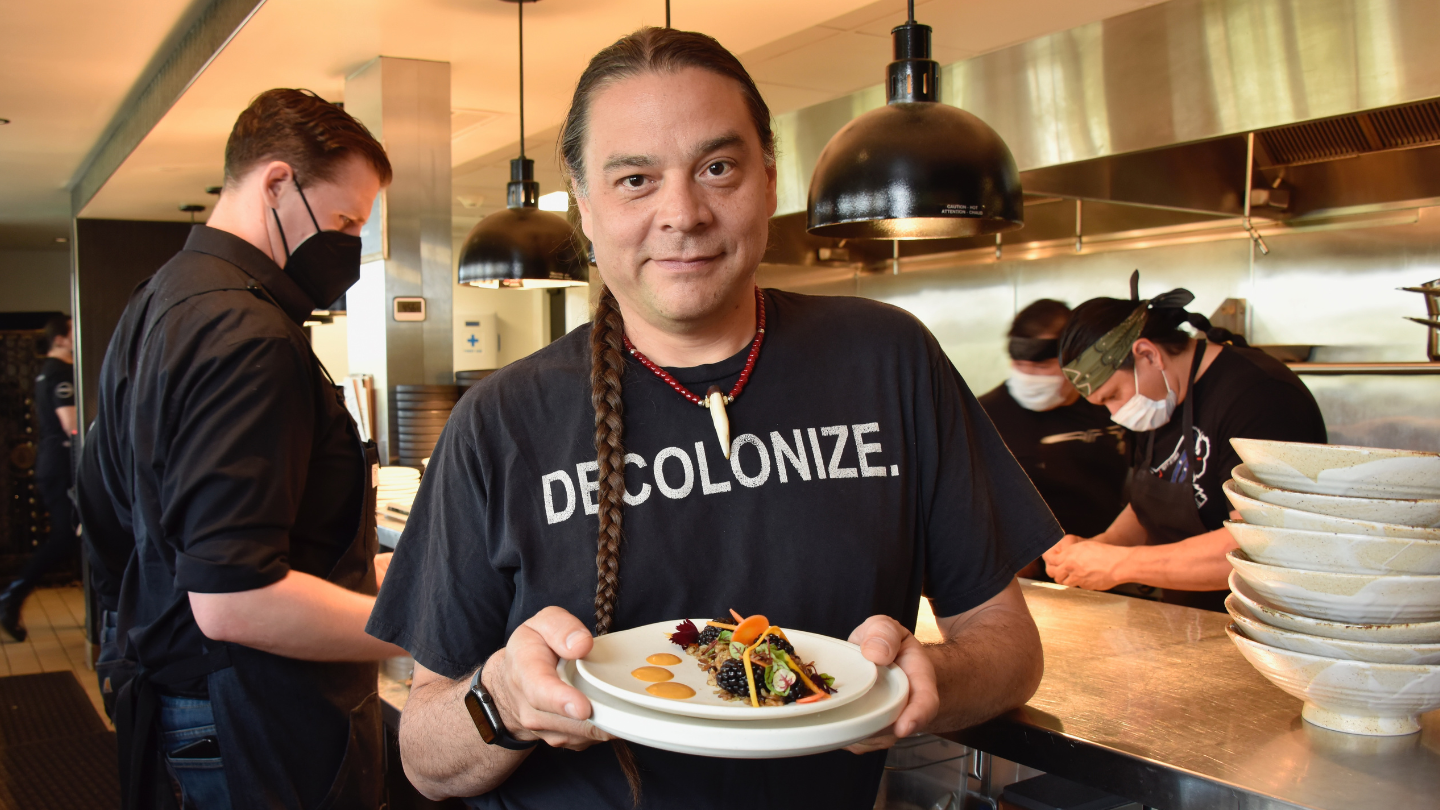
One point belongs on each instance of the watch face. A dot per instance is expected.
(481, 719)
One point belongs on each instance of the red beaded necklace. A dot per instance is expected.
(714, 398)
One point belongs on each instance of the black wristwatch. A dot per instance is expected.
(487, 717)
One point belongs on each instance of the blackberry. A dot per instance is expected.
(709, 634)
(731, 678)
(781, 644)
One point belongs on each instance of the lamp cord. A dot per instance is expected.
(667, 13)
(912, 12)
(520, 9)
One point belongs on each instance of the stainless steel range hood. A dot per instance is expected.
(1145, 118)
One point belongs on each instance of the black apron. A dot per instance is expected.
(1167, 510)
(292, 734)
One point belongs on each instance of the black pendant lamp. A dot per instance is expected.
(522, 247)
(915, 168)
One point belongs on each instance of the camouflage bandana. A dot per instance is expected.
(1094, 366)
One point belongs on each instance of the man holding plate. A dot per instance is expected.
(862, 474)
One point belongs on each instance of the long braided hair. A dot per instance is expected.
(648, 50)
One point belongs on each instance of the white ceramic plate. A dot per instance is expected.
(1406, 512)
(1331, 551)
(1356, 697)
(1266, 514)
(762, 739)
(1260, 610)
(616, 655)
(1329, 469)
(1359, 598)
(1257, 630)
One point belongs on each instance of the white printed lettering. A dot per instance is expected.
(551, 516)
(636, 500)
(819, 454)
(705, 486)
(894, 470)
(660, 483)
(582, 473)
(796, 457)
(760, 477)
(843, 433)
(863, 449)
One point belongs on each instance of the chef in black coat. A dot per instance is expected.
(1185, 398)
(55, 418)
(225, 470)
(1072, 451)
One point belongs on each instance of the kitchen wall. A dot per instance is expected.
(35, 280)
(1332, 287)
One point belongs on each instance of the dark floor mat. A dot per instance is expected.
(54, 749)
(46, 706)
(70, 773)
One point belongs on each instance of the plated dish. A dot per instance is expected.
(646, 667)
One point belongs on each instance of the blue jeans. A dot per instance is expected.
(202, 779)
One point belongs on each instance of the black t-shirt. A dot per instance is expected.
(54, 388)
(1246, 394)
(864, 474)
(224, 452)
(1075, 455)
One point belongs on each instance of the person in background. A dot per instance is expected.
(1074, 454)
(55, 412)
(1172, 535)
(225, 470)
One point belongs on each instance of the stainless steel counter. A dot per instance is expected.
(1154, 703)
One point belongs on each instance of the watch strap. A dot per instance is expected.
(486, 715)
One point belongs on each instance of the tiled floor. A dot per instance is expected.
(55, 618)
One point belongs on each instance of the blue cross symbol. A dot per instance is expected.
(472, 341)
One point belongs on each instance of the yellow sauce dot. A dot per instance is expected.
(671, 691)
(653, 674)
(663, 659)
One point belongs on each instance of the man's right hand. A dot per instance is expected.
(533, 701)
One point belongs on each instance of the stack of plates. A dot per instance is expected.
(421, 411)
(397, 486)
(1336, 588)
(867, 699)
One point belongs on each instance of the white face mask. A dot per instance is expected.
(1036, 392)
(1142, 413)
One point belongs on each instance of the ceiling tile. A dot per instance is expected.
(840, 64)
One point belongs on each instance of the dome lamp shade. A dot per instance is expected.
(915, 168)
(522, 247)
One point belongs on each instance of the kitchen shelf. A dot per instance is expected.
(1365, 368)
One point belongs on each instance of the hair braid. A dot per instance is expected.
(607, 370)
(607, 374)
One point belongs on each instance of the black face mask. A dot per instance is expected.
(325, 265)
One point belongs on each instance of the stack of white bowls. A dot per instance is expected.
(1336, 588)
(397, 486)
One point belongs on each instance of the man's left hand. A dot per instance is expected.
(884, 641)
(1085, 564)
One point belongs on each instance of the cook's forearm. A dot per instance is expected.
(989, 664)
(301, 616)
(440, 747)
(1125, 530)
(1194, 564)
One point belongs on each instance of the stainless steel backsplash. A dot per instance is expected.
(1331, 288)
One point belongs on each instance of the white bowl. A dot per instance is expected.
(1356, 697)
(1260, 610)
(1331, 551)
(1329, 469)
(1359, 598)
(1261, 513)
(1422, 513)
(1329, 647)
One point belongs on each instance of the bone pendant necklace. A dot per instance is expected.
(714, 398)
